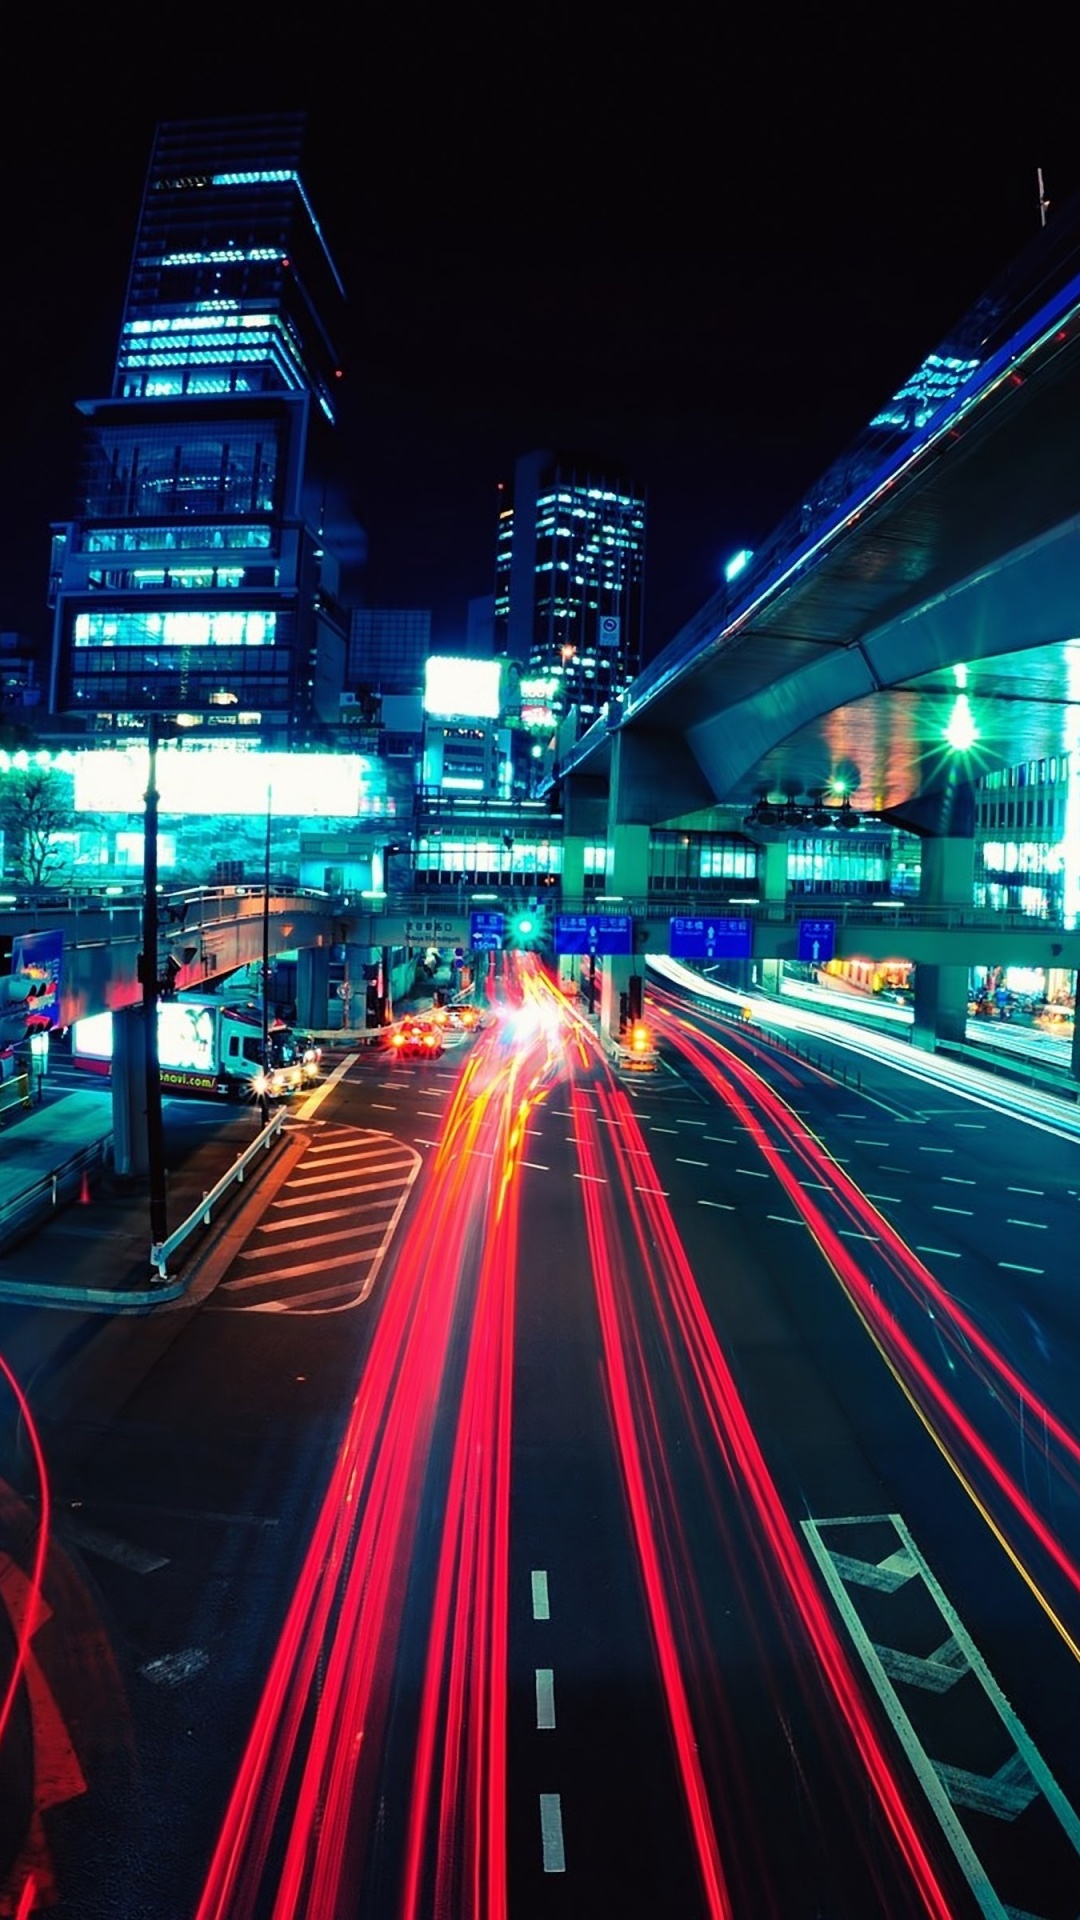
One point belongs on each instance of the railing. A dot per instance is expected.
(14, 1092)
(52, 1190)
(201, 1217)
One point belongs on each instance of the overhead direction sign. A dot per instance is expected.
(595, 933)
(817, 939)
(710, 937)
(486, 932)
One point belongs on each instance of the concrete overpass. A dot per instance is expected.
(913, 624)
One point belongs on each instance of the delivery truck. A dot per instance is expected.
(205, 1046)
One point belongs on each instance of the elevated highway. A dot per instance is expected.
(937, 561)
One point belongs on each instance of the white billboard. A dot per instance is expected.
(463, 689)
(222, 780)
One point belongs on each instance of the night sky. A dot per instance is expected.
(707, 251)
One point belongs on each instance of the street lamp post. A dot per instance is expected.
(264, 1098)
(148, 964)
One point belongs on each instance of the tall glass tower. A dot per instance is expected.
(569, 581)
(215, 559)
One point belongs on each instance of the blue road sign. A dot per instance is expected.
(817, 938)
(486, 931)
(710, 937)
(596, 933)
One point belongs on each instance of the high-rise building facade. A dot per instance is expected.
(389, 648)
(215, 557)
(569, 583)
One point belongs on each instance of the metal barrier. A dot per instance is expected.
(201, 1217)
(14, 1092)
(52, 1190)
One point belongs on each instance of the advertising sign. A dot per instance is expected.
(596, 933)
(30, 994)
(817, 938)
(710, 937)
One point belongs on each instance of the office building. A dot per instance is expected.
(215, 557)
(569, 584)
(388, 649)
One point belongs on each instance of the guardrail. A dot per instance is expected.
(160, 1250)
(14, 1092)
(52, 1190)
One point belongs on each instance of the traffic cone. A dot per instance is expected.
(84, 1190)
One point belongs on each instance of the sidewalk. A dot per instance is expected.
(92, 1250)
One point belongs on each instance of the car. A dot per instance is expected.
(416, 1039)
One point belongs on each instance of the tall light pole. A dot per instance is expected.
(148, 967)
(264, 1099)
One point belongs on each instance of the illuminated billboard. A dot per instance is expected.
(463, 689)
(223, 779)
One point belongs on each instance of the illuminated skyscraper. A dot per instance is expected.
(569, 582)
(213, 564)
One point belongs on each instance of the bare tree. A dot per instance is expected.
(36, 805)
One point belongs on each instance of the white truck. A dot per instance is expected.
(205, 1046)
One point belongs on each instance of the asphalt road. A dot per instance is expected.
(578, 1499)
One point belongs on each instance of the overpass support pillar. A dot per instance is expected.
(573, 867)
(313, 987)
(772, 877)
(131, 1152)
(941, 993)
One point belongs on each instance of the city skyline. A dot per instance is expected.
(722, 307)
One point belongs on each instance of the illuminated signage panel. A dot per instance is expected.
(221, 780)
(467, 688)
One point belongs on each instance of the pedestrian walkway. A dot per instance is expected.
(86, 1242)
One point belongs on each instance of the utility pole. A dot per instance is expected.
(155, 1138)
(264, 1098)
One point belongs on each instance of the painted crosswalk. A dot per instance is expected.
(324, 1236)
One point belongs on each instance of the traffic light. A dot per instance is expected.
(528, 930)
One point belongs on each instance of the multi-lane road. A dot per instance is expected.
(581, 1496)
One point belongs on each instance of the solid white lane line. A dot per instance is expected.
(545, 1698)
(551, 1833)
(541, 1605)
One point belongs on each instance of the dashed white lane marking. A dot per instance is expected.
(661, 1130)
(1012, 1267)
(871, 1143)
(957, 1180)
(885, 1168)
(752, 1173)
(850, 1233)
(943, 1253)
(1037, 1191)
(893, 1198)
(786, 1219)
(719, 1139)
(545, 1698)
(597, 1179)
(661, 1192)
(681, 1162)
(966, 1211)
(551, 1833)
(937, 1149)
(1038, 1225)
(537, 1165)
(971, 1126)
(541, 1604)
(721, 1205)
(820, 1186)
